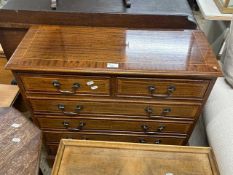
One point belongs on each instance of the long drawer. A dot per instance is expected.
(55, 137)
(161, 88)
(67, 85)
(145, 110)
(105, 125)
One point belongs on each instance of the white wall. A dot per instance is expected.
(215, 33)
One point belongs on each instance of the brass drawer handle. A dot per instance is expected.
(77, 109)
(74, 87)
(149, 110)
(159, 129)
(79, 128)
(170, 90)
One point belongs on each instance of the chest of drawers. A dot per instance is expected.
(114, 84)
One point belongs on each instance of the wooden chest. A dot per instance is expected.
(91, 157)
(114, 84)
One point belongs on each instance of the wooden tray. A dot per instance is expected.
(83, 157)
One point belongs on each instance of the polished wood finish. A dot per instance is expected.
(6, 75)
(92, 49)
(118, 125)
(45, 84)
(127, 158)
(56, 136)
(116, 107)
(20, 144)
(9, 94)
(140, 87)
(115, 84)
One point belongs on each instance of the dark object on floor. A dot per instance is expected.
(20, 144)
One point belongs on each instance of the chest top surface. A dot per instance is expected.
(115, 51)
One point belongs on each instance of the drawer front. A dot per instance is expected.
(67, 85)
(55, 137)
(105, 125)
(161, 88)
(146, 110)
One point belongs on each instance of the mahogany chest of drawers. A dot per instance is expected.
(114, 84)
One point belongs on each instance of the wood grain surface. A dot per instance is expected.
(6, 75)
(135, 52)
(141, 86)
(20, 144)
(54, 137)
(138, 87)
(8, 94)
(118, 125)
(127, 158)
(44, 84)
(116, 107)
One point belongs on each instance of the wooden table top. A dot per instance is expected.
(142, 14)
(20, 143)
(6, 75)
(8, 94)
(98, 158)
(115, 51)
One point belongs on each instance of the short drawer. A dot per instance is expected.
(55, 137)
(66, 85)
(152, 110)
(114, 125)
(161, 88)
